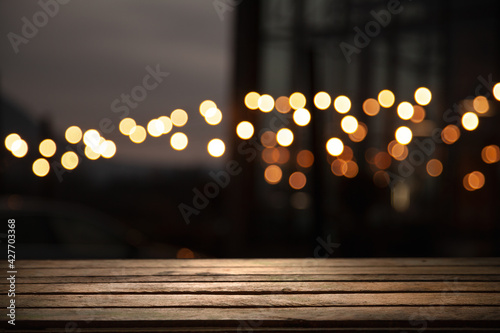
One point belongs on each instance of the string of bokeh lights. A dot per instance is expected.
(340, 155)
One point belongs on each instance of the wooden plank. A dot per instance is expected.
(257, 287)
(455, 270)
(236, 301)
(307, 262)
(255, 278)
(445, 316)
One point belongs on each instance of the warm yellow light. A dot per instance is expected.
(418, 114)
(297, 100)
(322, 100)
(490, 154)
(41, 167)
(19, 148)
(73, 134)
(476, 180)
(216, 147)
(244, 130)
(155, 128)
(382, 160)
(470, 121)
(305, 158)
(213, 116)
(297, 180)
(284, 137)
(47, 148)
(403, 135)
(251, 100)
(282, 104)
(450, 134)
(91, 154)
(349, 124)
(360, 133)
(126, 126)
(179, 141)
(167, 124)
(351, 170)
(10, 139)
(334, 146)
(273, 174)
(268, 139)
(397, 151)
(179, 117)
(92, 138)
(342, 104)
(371, 107)
(69, 160)
(481, 104)
(109, 149)
(301, 117)
(405, 110)
(339, 167)
(208, 104)
(496, 91)
(386, 98)
(347, 154)
(138, 134)
(434, 167)
(266, 103)
(423, 96)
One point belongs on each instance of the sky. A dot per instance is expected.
(91, 52)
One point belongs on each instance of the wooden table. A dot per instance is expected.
(256, 295)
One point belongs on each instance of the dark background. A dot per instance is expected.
(128, 206)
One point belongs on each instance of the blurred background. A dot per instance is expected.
(247, 128)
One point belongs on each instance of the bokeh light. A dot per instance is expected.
(322, 100)
(297, 180)
(405, 110)
(418, 114)
(397, 151)
(470, 121)
(297, 100)
(92, 138)
(351, 169)
(268, 139)
(450, 134)
(339, 167)
(73, 134)
(19, 148)
(266, 103)
(347, 154)
(126, 126)
(41, 167)
(270, 155)
(213, 116)
(284, 137)
(167, 124)
(349, 124)
(216, 147)
(360, 133)
(47, 148)
(155, 128)
(334, 146)
(138, 134)
(282, 104)
(382, 160)
(434, 167)
(208, 104)
(251, 101)
(423, 96)
(244, 130)
(179, 117)
(69, 160)
(490, 154)
(179, 141)
(342, 104)
(305, 158)
(475, 180)
(481, 104)
(496, 91)
(109, 149)
(91, 154)
(371, 107)
(273, 174)
(301, 117)
(386, 98)
(10, 139)
(403, 135)
(281, 154)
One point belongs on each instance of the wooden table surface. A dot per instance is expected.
(256, 295)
